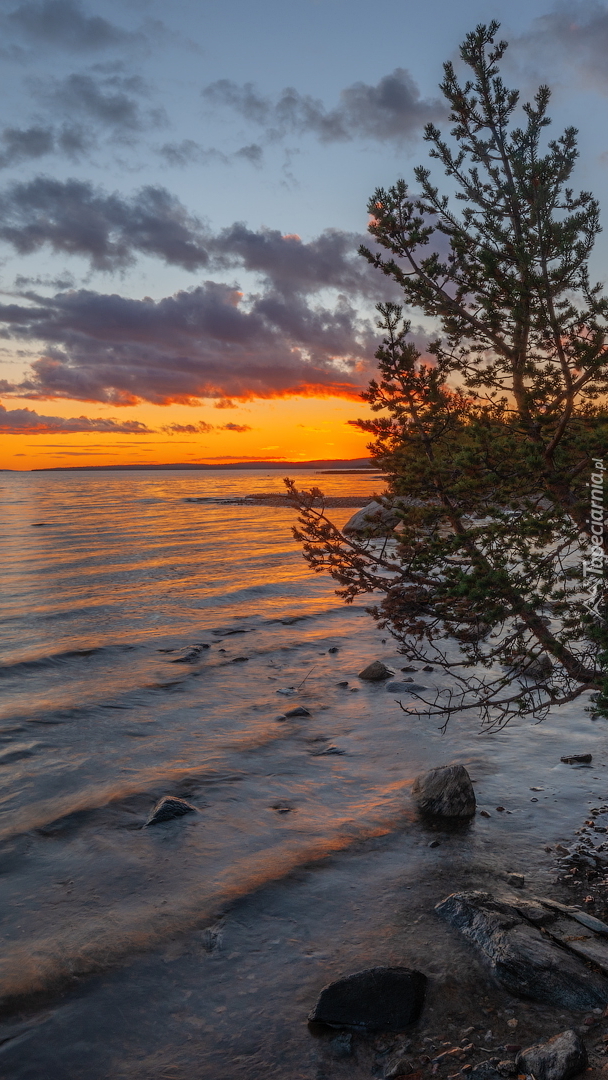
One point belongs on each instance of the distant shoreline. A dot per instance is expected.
(335, 464)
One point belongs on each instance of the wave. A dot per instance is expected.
(45, 965)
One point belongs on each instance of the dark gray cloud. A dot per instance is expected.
(74, 217)
(16, 421)
(188, 152)
(27, 144)
(571, 35)
(391, 111)
(110, 100)
(202, 343)
(65, 24)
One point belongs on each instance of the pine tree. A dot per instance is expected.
(494, 440)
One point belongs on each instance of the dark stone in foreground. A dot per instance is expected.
(376, 671)
(559, 1058)
(169, 807)
(577, 759)
(379, 999)
(523, 959)
(445, 792)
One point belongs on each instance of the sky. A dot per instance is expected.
(183, 190)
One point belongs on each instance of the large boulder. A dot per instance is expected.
(379, 999)
(516, 939)
(559, 1058)
(372, 520)
(445, 792)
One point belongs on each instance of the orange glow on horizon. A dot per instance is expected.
(305, 428)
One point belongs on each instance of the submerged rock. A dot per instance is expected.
(191, 655)
(169, 807)
(376, 671)
(559, 1058)
(298, 711)
(445, 792)
(577, 759)
(379, 999)
(523, 958)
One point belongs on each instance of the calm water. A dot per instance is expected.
(215, 932)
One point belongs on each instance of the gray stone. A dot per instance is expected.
(523, 959)
(445, 792)
(559, 1058)
(298, 711)
(398, 1066)
(376, 671)
(169, 807)
(372, 520)
(379, 999)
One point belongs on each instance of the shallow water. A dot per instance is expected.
(304, 859)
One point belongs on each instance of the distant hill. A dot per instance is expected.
(280, 466)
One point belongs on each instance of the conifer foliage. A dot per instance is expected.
(494, 441)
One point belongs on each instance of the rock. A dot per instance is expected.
(169, 807)
(298, 711)
(434, 843)
(376, 671)
(445, 792)
(409, 669)
(372, 520)
(334, 648)
(193, 652)
(532, 667)
(379, 999)
(523, 959)
(559, 1058)
(404, 687)
(484, 813)
(577, 759)
(428, 668)
(343, 684)
(280, 717)
(398, 1066)
(239, 659)
(516, 881)
(341, 1045)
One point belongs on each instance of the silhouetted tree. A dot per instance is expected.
(494, 441)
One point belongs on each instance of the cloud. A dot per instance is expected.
(288, 265)
(74, 217)
(576, 35)
(27, 144)
(206, 342)
(189, 429)
(110, 100)
(204, 428)
(189, 152)
(390, 111)
(64, 23)
(16, 421)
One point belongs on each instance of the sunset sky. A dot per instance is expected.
(182, 195)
